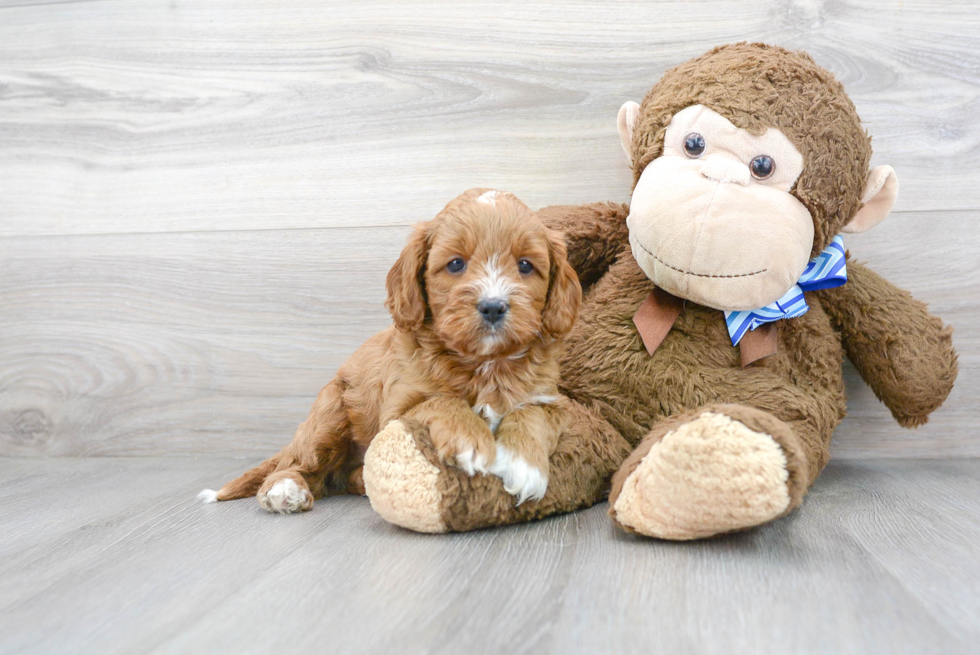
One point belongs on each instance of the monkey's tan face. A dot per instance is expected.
(713, 220)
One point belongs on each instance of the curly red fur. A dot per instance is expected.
(442, 360)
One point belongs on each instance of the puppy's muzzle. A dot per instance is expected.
(493, 310)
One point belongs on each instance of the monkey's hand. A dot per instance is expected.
(903, 352)
(594, 234)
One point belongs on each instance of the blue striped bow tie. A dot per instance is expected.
(825, 271)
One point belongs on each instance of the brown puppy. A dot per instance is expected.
(480, 297)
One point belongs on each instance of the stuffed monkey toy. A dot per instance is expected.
(705, 369)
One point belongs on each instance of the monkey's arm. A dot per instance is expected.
(595, 234)
(903, 352)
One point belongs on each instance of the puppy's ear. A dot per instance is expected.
(406, 282)
(564, 292)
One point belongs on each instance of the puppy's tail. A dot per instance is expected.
(244, 486)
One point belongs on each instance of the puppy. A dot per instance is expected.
(481, 297)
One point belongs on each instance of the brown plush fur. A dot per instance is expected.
(696, 365)
(442, 360)
(904, 353)
(796, 396)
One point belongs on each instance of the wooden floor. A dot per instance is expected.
(199, 201)
(115, 555)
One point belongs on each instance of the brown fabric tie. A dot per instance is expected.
(759, 343)
(656, 316)
(660, 311)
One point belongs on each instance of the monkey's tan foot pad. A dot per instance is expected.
(709, 476)
(401, 482)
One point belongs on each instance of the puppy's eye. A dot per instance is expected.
(762, 167)
(525, 267)
(694, 145)
(456, 266)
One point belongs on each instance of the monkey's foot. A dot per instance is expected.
(707, 476)
(409, 485)
(401, 482)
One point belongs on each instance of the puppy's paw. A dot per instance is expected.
(471, 453)
(471, 461)
(285, 497)
(521, 478)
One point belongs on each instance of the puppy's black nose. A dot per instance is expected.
(493, 310)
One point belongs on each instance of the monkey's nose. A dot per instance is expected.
(493, 310)
(722, 169)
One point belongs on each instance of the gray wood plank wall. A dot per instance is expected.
(199, 200)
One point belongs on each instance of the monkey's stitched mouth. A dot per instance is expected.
(679, 270)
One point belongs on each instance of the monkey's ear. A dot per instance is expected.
(626, 120)
(406, 282)
(880, 193)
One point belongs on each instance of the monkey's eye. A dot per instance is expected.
(525, 267)
(456, 266)
(762, 167)
(694, 145)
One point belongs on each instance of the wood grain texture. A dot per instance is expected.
(199, 201)
(180, 343)
(145, 115)
(115, 556)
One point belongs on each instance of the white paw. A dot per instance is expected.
(208, 496)
(285, 497)
(520, 478)
(471, 462)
